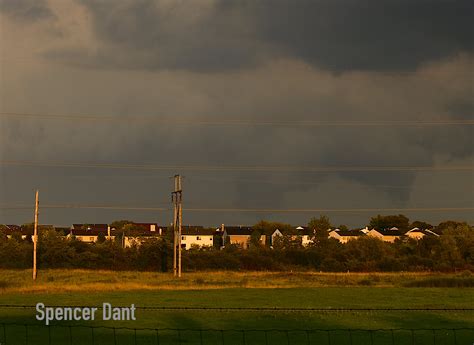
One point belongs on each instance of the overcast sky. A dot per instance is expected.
(224, 60)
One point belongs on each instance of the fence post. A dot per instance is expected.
(26, 334)
(243, 337)
(135, 335)
(350, 336)
(434, 336)
(371, 332)
(412, 336)
(4, 334)
(393, 338)
(157, 336)
(329, 336)
(70, 335)
(115, 338)
(455, 338)
(49, 335)
(222, 336)
(92, 333)
(307, 337)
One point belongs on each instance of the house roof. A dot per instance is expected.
(389, 232)
(95, 227)
(425, 232)
(197, 231)
(147, 225)
(238, 230)
(305, 231)
(347, 233)
(86, 232)
(11, 228)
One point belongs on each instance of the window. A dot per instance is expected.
(198, 238)
(183, 238)
(91, 238)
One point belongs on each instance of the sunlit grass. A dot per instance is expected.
(63, 280)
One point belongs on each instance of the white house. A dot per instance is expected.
(196, 236)
(418, 234)
(385, 235)
(90, 232)
(344, 236)
(306, 234)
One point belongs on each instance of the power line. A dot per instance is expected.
(244, 210)
(240, 122)
(323, 210)
(237, 168)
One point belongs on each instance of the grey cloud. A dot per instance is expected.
(370, 35)
(27, 10)
(388, 35)
(146, 34)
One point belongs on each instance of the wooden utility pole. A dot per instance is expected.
(176, 198)
(35, 234)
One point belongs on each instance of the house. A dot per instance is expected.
(197, 237)
(240, 235)
(90, 232)
(345, 236)
(141, 232)
(303, 235)
(306, 234)
(272, 235)
(149, 228)
(418, 234)
(386, 235)
(10, 229)
(24, 231)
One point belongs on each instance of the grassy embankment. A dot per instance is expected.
(249, 289)
(61, 280)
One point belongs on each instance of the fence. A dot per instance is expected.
(32, 334)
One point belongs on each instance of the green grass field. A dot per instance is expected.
(237, 290)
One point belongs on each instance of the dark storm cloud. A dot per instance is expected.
(367, 35)
(191, 36)
(26, 10)
(387, 35)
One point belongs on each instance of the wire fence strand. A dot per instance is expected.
(167, 336)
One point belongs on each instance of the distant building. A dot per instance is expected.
(196, 236)
(240, 235)
(25, 231)
(386, 235)
(306, 234)
(345, 236)
(90, 232)
(418, 234)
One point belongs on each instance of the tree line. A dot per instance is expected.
(452, 250)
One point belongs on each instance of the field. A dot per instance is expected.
(237, 308)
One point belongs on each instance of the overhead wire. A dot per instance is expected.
(240, 122)
(239, 168)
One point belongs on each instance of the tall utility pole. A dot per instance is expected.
(35, 234)
(176, 198)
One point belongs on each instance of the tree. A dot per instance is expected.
(101, 237)
(131, 229)
(387, 222)
(449, 224)
(255, 239)
(320, 226)
(119, 224)
(421, 225)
